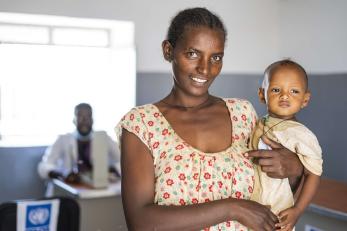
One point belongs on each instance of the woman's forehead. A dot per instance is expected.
(203, 37)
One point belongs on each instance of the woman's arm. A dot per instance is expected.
(143, 214)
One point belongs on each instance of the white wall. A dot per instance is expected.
(314, 32)
(252, 26)
(260, 31)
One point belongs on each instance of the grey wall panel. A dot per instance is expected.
(325, 116)
(18, 173)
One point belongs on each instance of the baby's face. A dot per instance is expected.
(286, 94)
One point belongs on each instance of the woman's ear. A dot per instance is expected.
(261, 95)
(307, 98)
(167, 50)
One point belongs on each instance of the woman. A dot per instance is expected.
(182, 157)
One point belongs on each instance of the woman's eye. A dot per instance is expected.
(192, 54)
(217, 58)
(276, 90)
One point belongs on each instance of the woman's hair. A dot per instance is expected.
(193, 17)
(285, 63)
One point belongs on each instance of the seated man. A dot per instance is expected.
(71, 153)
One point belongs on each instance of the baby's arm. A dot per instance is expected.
(289, 217)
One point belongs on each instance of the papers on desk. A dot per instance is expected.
(83, 191)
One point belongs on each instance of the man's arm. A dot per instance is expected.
(47, 168)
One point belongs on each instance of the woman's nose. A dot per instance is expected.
(203, 67)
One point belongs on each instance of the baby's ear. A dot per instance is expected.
(307, 98)
(261, 95)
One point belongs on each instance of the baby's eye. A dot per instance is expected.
(276, 90)
(294, 91)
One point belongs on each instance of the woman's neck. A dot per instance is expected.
(186, 102)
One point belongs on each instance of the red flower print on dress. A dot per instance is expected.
(195, 176)
(155, 145)
(210, 188)
(166, 195)
(234, 181)
(248, 164)
(169, 182)
(182, 202)
(198, 187)
(231, 101)
(165, 131)
(207, 176)
(150, 135)
(210, 162)
(150, 123)
(162, 155)
(179, 147)
(195, 201)
(137, 129)
(178, 157)
(207, 200)
(132, 117)
(228, 224)
(220, 184)
(156, 114)
(250, 189)
(244, 118)
(167, 170)
(182, 176)
(238, 195)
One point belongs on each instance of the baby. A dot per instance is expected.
(285, 92)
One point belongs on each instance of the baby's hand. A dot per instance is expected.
(288, 219)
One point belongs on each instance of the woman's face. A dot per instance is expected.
(197, 59)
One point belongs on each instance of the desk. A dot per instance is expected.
(328, 210)
(101, 209)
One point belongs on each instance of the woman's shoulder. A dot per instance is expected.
(140, 113)
(145, 108)
(232, 102)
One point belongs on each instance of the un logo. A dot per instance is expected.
(39, 216)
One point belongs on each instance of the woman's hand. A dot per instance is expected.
(279, 162)
(254, 215)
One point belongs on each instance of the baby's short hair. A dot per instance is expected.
(285, 63)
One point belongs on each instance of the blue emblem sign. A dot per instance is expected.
(38, 217)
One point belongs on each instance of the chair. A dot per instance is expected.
(68, 215)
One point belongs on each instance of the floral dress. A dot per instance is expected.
(185, 175)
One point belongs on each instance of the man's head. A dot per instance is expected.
(83, 118)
